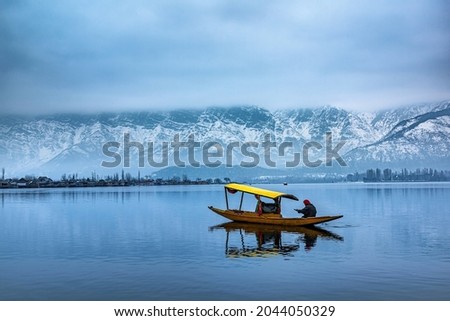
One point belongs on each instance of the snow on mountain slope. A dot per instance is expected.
(73, 143)
(416, 141)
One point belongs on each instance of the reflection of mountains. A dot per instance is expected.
(271, 239)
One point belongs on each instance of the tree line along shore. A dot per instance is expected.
(126, 179)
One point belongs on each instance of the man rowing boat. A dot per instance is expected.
(309, 210)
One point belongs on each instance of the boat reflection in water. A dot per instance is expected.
(270, 239)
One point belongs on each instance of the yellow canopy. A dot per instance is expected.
(258, 191)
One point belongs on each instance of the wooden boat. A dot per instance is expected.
(265, 213)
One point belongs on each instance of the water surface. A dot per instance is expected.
(162, 243)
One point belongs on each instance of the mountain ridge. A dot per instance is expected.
(57, 143)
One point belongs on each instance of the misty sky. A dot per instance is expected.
(114, 55)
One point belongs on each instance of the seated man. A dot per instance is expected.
(309, 210)
(269, 208)
(262, 207)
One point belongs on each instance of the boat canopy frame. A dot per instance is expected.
(235, 187)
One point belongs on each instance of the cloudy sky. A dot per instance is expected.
(113, 55)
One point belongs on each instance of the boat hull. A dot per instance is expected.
(271, 219)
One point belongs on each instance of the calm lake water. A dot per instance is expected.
(162, 243)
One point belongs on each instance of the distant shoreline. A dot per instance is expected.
(66, 185)
(86, 184)
(126, 179)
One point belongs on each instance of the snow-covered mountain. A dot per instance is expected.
(412, 136)
(412, 142)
